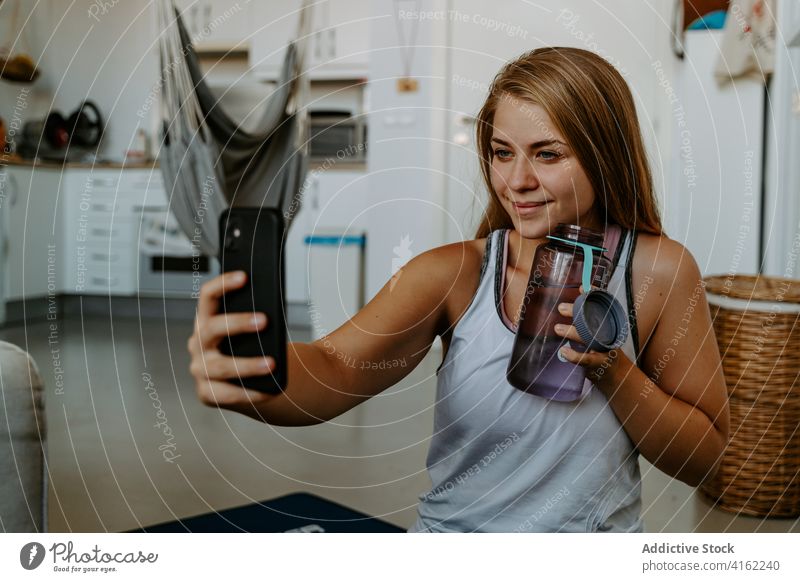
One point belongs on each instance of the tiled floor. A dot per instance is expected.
(108, 449)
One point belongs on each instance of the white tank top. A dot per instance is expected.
(503, 460)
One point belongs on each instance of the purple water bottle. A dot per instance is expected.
(559, 269)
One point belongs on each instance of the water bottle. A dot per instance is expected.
(559, 268)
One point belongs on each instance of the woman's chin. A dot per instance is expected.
(534, 229)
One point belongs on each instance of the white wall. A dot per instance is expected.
(406, 189)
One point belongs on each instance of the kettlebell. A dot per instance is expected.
(79, 130)
(55, 130)
(85, 130)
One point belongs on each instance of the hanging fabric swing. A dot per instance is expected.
(207, 160)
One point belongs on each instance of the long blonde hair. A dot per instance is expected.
(591, 105)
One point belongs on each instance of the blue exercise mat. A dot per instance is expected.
(300, 512)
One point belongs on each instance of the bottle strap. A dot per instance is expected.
(611, 242)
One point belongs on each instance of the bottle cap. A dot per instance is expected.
(600, 320)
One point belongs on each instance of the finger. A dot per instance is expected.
(568, 331)
(214, 329)
(235, 323)
(226, 395)
(212, 290)
(589, 359)
(221, 367)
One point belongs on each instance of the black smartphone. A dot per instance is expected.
(251, 240)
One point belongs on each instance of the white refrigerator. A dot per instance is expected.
(713, 201)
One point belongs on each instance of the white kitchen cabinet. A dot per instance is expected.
(333, 201)
(102, 219)
(338, 47)
(218, 25)
(31, 232)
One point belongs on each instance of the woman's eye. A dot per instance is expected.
(548, 155)
(502, 154)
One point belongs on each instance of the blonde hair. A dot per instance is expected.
(590, 103)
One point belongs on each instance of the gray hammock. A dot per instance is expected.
(207, 160)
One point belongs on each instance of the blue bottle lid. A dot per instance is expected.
(600, 320)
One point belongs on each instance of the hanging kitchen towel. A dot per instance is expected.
(748, 41)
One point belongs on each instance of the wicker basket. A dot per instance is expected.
(757, 324)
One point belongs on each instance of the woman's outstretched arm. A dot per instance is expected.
(374, 350)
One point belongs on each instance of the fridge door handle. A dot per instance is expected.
(676, 34)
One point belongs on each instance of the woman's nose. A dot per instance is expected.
(523, 176)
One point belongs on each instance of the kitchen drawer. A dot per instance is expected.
(103, 284)
(104, 256)
(129, 188)
(108, 271)
(113, 234)
(103, 206)
(145, 181)
(114, 179)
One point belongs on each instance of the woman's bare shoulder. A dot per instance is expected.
(662, 257)
(455, 270)
(456, 260)
(664, 274)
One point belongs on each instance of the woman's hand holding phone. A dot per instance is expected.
(212, 369)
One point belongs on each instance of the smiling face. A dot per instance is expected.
(535, 174)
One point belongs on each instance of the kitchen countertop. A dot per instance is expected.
(48, 165)
(318, 166)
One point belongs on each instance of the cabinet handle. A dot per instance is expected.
(465, 120)
(195, 28)
(103, 207)
(111, 182)
(13, 189)
(105, 281)
(677, 37)
(318, 45)
(144, 208)
(110, 257)
(332, 43)
(207, 15)
(103, 232)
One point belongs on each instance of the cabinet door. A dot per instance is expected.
(338, 46)
(32, 265)
(217, 24)
(350, 32)
(340, 201)
(274, 26)
(341, 35)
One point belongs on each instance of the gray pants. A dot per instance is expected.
(22, 439)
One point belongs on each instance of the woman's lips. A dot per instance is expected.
(528, 208)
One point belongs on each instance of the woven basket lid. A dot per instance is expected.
(754, 287)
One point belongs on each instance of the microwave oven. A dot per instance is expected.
(337, 136)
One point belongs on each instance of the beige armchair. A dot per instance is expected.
(23, 486)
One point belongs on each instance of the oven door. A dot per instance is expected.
(169, 264)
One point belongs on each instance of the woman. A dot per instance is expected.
(559, 142)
